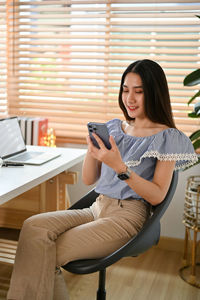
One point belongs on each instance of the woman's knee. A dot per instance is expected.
(37, 227)
(35, 220)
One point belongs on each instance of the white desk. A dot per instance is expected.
(51, 178)
(17, 180)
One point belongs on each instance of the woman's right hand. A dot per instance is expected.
(91, 166)
(110, 157)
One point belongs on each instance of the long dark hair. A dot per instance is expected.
(157, 104)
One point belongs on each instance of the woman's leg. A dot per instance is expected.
(34, 269)
(115, 223)
(60, 288)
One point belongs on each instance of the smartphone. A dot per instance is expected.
(102, 131)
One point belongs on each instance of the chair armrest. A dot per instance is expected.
(85, 201)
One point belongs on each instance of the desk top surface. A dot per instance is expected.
(17, 180)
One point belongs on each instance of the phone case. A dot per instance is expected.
(102, 131)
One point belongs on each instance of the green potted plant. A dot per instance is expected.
(193, 79)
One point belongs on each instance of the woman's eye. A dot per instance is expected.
(125, 91)
(139, 92)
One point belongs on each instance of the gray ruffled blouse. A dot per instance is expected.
(140, 154)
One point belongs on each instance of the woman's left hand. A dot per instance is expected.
(111, 157)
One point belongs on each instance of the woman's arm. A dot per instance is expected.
(152, 191)
(91, 167)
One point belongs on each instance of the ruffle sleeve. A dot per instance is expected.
(169, 145)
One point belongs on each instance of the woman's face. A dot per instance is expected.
(133, 96)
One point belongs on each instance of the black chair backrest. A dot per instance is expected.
(85, 201)
(150, 232)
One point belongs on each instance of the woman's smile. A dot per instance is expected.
(132, 108)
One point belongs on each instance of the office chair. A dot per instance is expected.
(145, 239)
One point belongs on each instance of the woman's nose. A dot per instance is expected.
(131, 97)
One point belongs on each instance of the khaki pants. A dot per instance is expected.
(50, 240)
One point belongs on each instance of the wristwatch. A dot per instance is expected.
(125, 175)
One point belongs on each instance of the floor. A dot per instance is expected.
(153, 276)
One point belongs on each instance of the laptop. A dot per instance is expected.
(13, 148)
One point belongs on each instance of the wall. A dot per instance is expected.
(171, 223)
(78, 190)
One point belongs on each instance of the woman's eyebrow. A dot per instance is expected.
(135, 87)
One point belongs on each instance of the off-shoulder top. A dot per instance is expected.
(140, 154)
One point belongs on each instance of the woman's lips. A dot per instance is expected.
(132, 108)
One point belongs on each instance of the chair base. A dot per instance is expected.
(101, 292)
(101, 295)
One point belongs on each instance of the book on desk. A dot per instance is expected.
(33, 130)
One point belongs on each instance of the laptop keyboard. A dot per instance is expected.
(26, 156)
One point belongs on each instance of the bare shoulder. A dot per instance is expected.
(157, 128)
(143, 130)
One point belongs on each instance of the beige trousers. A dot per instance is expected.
(50, 240)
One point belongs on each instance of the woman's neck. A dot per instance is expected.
(142, 123)
(142, 128)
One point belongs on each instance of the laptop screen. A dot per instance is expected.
(12, 141)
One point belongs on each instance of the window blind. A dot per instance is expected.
(3, 59)
(66, 58)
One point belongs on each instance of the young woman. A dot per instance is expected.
(133, 175)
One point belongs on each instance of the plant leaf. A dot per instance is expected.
(195, 135)
(197, 107)
(196, 144)
(193, 115)
(196, 95)
(192, 78)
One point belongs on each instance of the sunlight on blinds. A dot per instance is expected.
(3, 66)
(68, 57)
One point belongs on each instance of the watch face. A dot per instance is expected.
(123, 176)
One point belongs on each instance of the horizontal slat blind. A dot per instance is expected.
(67, 57)
(3, 60)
